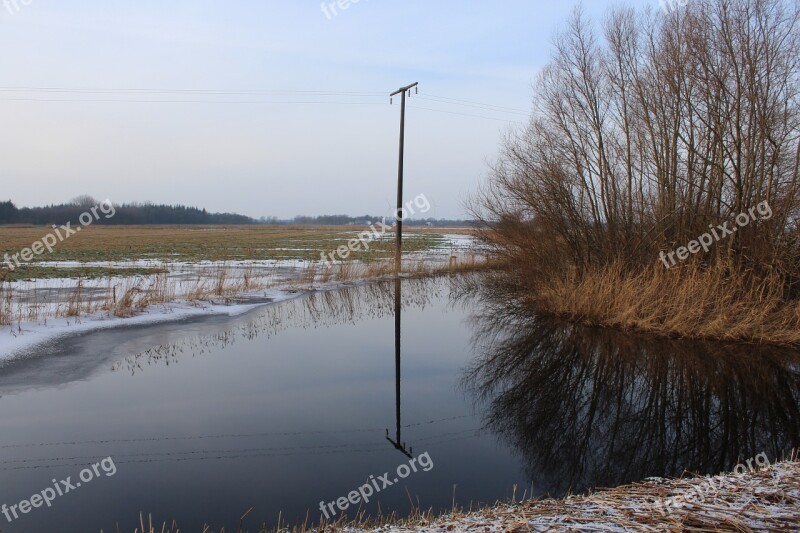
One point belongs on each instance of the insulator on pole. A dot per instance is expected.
(416, 90)
(391, 101)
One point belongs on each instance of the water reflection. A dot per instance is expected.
(323, 309)
(276, 410)
(398, 313)
(587, 407)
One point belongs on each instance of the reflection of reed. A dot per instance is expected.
(317, 309)
(590, 407)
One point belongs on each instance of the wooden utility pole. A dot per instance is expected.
(399, 212)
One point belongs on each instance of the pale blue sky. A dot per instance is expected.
(255, 153)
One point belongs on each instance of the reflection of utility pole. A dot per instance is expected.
(399, 212)
(398, 442)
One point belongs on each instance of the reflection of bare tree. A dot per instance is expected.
(317, 309)
(591, 407)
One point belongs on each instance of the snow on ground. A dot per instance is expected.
(452, 243)
(50, 296)
(759, 500)
(22, 338)
(187, 265)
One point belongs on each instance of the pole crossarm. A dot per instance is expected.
(404, 89)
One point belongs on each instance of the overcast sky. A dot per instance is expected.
(282, 148)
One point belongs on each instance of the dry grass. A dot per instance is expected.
(129, 290)
(213, 243)
(6, 307)
(126, 297)
(690, 301)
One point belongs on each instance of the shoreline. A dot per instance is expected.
(764, 499)
(18, 340)
(709, 304)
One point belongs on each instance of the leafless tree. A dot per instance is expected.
(651, 127)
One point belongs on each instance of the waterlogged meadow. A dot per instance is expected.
(122, 271)
(293, 406)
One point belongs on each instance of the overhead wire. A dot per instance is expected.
(223, 435)
(517, 109)
(464, 114)
(288, 97)
(245, 453)
(474, 105)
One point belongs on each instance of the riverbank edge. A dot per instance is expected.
(761, 499)
(764, 499)
(716, 303)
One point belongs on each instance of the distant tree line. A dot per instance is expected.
(133, 213)
(147, 213)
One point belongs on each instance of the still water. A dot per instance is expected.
(301, 402)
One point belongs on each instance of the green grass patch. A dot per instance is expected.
(45, 272)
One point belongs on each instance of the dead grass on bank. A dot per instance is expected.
(6, 307)
(687, 301)
(759, 500)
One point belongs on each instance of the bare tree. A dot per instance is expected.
(651, 128)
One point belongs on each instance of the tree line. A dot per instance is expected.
(126, 214)
(151, 214)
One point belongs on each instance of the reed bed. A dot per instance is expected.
(716, 302)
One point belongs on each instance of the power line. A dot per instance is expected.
(140, 95)
(483, 107)
(238, 455)
(85, 90)
(248, 453)
(465, 114)
(120, 100)
(514, 109)
(300, 450)
(224, 435)
(210, 455)
(250, 92)
(319, 97)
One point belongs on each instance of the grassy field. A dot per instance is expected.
(83, 272)
(212, 243)
(123, 288)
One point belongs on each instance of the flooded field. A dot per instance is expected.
(293, 405)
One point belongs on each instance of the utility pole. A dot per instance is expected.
(399, 212)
